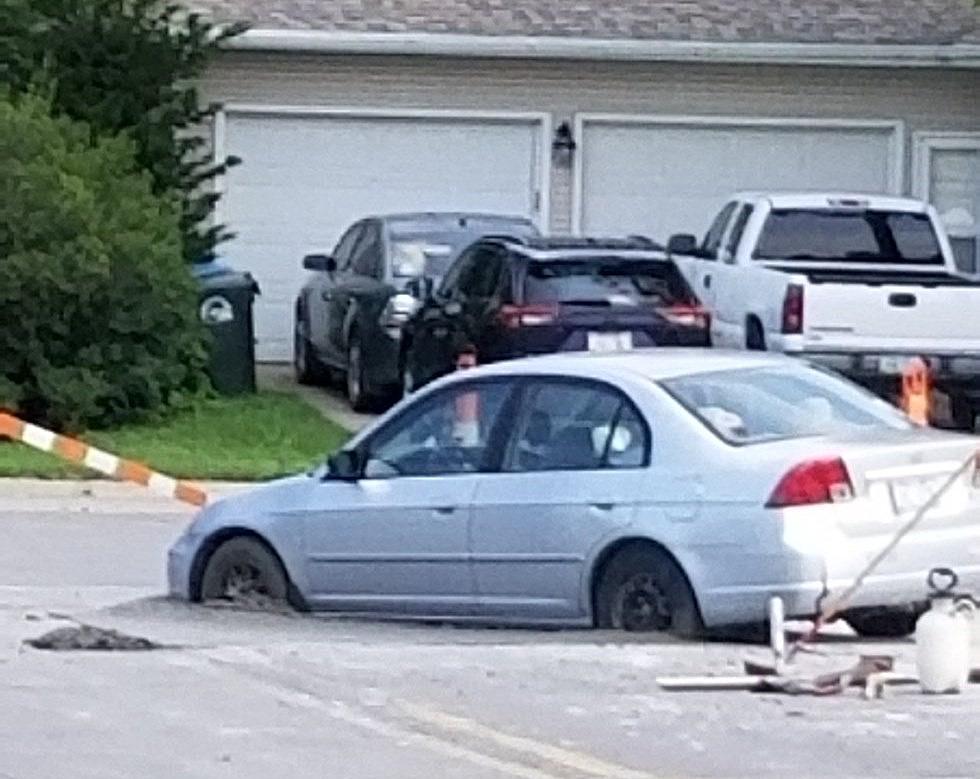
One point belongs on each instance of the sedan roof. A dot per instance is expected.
(654, 364)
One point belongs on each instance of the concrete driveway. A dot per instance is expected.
(330, 401)
(256, 695)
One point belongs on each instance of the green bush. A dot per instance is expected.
(98, 315)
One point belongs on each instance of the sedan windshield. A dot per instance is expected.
(766, 404)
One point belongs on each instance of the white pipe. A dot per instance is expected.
(960, 55)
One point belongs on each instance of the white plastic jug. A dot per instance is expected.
(942, 637)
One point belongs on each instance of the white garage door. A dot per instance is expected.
(305, 178)
(659, 177)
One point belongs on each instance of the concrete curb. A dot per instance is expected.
(99, 497)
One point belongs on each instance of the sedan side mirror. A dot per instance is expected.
(682, 243)
(320, 262)
(344, 465)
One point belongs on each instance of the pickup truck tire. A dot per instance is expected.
(755, 338)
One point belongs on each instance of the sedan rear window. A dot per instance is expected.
(602, 282)
(767, 404)
(852, 235)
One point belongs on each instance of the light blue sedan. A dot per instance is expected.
(672, 490)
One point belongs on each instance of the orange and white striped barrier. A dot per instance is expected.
(915, 391)
(82, 454)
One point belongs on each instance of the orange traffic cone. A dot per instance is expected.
(915, 391)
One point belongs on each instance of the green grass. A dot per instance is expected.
(247, 438)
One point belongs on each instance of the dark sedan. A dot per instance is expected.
(349, 315)
(511, 297)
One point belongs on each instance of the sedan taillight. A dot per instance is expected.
(813, 482)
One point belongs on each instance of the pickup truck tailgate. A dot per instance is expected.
(899, 317)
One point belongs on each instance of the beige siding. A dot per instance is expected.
(922, 99)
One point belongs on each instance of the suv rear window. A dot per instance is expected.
(605, 281)
(877, 237)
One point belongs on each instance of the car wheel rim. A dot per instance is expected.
(642, 605)
(354, 374)
(242, 582)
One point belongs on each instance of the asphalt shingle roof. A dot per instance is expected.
(797, 21)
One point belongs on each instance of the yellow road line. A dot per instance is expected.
(567, 759)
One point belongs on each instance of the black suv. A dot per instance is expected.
(350, 313)
(508, 297)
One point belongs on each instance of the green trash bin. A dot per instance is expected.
(226, 301)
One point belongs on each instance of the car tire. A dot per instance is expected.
(244, 570)
(358, 392)
(884, 623)
(642, 589)
(755, 339)
(307, 368)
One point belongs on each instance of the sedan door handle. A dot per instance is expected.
(604, 506)
(444, 511)
(707, 282)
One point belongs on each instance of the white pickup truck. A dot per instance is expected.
(858, 283)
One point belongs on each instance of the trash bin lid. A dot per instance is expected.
(215, 275)
(204, 270)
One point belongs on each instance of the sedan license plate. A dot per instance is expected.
(610, 342)
(910, 495)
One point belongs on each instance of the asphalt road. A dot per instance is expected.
(257, 695)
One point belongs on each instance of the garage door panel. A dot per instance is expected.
(659, 179)
(304, 179)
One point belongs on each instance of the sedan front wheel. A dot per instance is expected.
(245, 572)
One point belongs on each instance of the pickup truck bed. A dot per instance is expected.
(861, 284)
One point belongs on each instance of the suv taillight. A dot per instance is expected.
(812, 482)
(686, 315)
(530, 315)
(793, 310)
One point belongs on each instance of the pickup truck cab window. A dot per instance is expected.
(735, 236)
(712, 239)
(862, 235)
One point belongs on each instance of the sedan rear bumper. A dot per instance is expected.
(818, 559)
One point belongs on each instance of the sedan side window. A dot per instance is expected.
(345, 246)
(367, 254)
(577, 426)
(445, 434)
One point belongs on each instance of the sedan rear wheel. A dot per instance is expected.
(883, 623)
(642, 589)
(244, 571)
